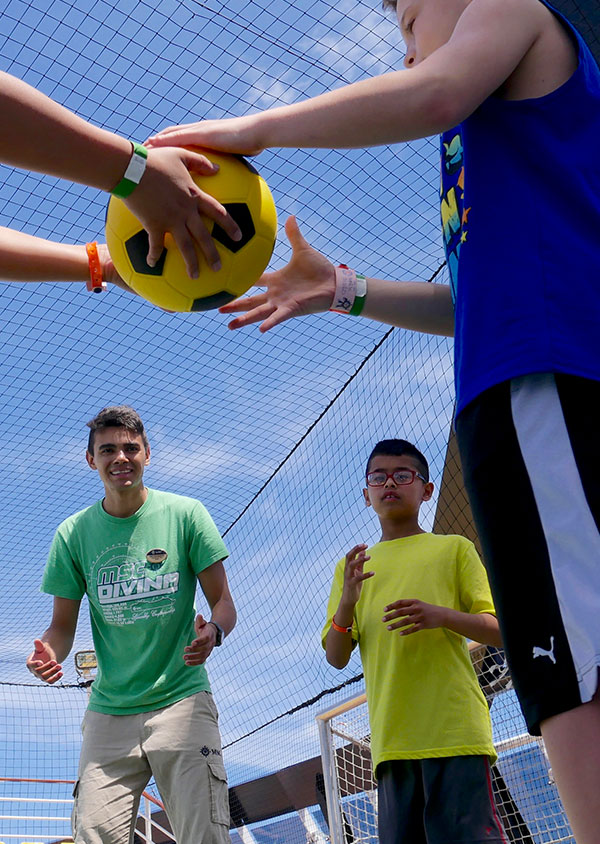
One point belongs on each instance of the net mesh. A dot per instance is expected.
(271, 433)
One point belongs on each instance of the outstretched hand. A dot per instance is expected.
(42, 662)
(200, 649)
(234, 134)
(305, 286)
(168, 200)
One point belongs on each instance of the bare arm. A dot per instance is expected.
(53, 647)
(213, 581)
(339, 646)
(307, 286)
(24, 257)
(411, 615)
(488, 43)
(39, 134)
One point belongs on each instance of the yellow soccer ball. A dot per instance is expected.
(247, 198)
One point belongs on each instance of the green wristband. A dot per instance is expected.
(133, 174)
(359, 300)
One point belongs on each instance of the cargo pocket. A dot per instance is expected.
(74, 823)
(219, 793)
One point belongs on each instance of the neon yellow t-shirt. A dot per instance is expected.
(423, 696)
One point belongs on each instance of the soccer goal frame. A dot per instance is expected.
(524, 792)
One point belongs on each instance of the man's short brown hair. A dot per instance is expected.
(117, 416)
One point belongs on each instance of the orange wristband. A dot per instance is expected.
(96, 284)
(340, 629)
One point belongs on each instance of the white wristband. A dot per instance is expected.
(350, 291)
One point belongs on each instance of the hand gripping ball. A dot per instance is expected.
(247, 198)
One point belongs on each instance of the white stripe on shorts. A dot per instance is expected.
(569, 527)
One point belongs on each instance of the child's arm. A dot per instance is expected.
(24, 257)
(55, 644)
(338, 645)
(39, 134)
(488, 43)
(411, 615)
(307, 286)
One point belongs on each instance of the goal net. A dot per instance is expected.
(524, 792)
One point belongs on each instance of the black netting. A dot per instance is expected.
(270, 432)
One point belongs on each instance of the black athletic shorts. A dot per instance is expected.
(437, 801)
(530, 452)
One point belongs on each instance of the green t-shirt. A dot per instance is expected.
(422, 693)
(141, 603)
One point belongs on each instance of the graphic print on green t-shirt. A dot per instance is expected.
(140, 576)
(129, 588)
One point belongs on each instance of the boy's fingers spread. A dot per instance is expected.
(243, 304)
(198, 163)
(212, 208)
(279, 315)
(184, 243)
(255, 315)
(156, 242)
(292, 230)
(206, 244)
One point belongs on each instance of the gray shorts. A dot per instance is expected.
(180, 746)
(437, 801)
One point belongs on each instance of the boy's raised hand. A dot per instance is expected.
(168, 200)
(354, 574)
(42, 662)
(304, 286)
(411, 615)
(233, 134)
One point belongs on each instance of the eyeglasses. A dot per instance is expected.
(402, 477)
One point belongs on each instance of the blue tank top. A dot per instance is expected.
(520, 208)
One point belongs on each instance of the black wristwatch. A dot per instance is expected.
(220, 633)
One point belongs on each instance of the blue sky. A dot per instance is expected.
(223, 409)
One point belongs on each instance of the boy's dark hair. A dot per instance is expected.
(386, 5)
(400, 448)
(117, 416)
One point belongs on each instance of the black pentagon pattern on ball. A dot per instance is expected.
(246, 162)
(217, 300)
(137, 249)
(241, 214)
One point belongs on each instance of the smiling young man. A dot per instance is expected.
(431, 738)
(138, 554)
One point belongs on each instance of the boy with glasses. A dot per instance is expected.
(431, 738)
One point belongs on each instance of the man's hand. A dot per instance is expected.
(305, 286)
(354, 576)
(168, 200)
(413, 615)
(200, 649)
(42, 663)
(234, 134)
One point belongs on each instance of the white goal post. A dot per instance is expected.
(524, 791)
